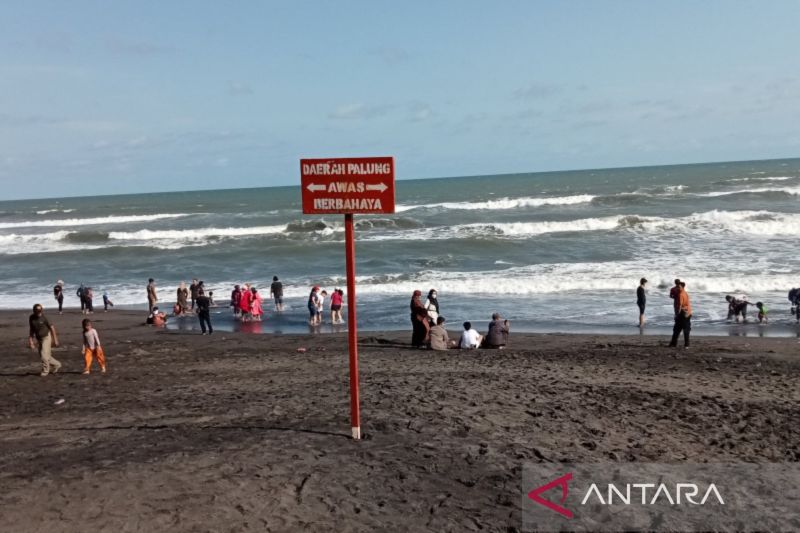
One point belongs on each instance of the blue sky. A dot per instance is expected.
(107, 97)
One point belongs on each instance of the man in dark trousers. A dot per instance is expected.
(43, 334)
(641, 300)
(204, 312)
(683, 318)
(193, 291)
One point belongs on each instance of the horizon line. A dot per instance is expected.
(503, 174)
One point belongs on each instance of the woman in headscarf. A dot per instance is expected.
(432, 307)
(419, 321)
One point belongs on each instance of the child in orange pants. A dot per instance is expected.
(91, 347)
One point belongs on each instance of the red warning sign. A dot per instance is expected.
(347, 185)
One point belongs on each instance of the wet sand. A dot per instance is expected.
(237, 432)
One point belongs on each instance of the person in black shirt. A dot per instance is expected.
(193, 291)
(204, 313)
(276, 291)
(641, 300)
(43, 333)
(58, 294)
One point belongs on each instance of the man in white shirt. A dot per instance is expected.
(470, 338)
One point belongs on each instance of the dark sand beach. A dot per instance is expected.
(239, 432)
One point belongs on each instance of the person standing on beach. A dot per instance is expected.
(92, 348)
(313, 307)
(419, 321)
(58, 294)
(683, 318)
(107, 301)
(673, 293)
(336, 306)
(641, 300)
(245, 302)
(152, 298)
(44, 333)
(193, 292)
(432, 306)
(236, 295)
(204, 313)
(88, 297)
(256, 309)
(276, 292)
(182, 300)
(81, 294)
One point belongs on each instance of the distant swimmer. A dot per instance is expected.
(683, 317)
(641, 300)
(737, 307)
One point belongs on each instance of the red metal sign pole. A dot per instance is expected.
(352, 329)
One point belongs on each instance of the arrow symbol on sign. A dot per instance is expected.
(315, 187)
(379, 187)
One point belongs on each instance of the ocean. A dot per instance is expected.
(552, 252)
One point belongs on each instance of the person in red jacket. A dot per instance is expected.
(683, 317)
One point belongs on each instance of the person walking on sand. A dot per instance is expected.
(203, 303)
(44, 334)
(92, 348)
(419, 321)
(432, 306)
(152, 297)
(683, 318)
(673, 293)
(276, 292)
(107, 301)
(58, 294)
(641, 300)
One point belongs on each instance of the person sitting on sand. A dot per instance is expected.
(737, 307)
(157, 318)
(440, 340)
(470, 338)
(420, 328)
(762, 313)
(497, 336)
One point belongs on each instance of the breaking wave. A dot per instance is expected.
(69, 222)
(504, 203)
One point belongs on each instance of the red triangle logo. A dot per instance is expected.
(562, 482)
